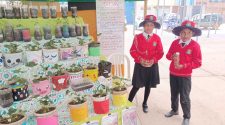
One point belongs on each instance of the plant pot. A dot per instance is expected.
(1, 61)
(58, 32)
(64, 11)
(34, 56)
(65, 30)
(78, 30)
(91, 74)
(47, 33)
(34, 11)
(101, 105)
(18, 36)
(72, 31)
(9, 13)
(51, 55)
(25, 12)
(66, 53)
(26, 35)
(45, 12)
(50, 118)
(85, 30)
(82, 51)
(41, 88)
(76, 78)
(20, 92)
(20, 122)
(105, 69)
(53, 11)
(6, 97)
(16, 11)
(94, 49)
(79, 112)
(74, 11)
(12, 59)
(60, 82)
(119, 98)
(1, 36)
(9, 34)
(37, 33)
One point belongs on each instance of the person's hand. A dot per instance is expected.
(178, 66)
(175, 57)
(142, 61)
(149, 63)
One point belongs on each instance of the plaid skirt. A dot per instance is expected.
(145, 76)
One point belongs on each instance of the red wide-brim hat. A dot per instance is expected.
(150, 18)
(187, 24)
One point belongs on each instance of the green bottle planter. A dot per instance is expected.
(94, 49)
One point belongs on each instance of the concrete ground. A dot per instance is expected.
(208, 84)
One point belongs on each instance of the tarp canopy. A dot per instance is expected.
(73, 0)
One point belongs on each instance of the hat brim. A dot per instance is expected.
(196, 31)
(157, 25)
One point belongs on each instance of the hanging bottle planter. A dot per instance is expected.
(104, 68)
(9, 13)
(41, 86)
(78, 30)
(34, 11)
(37, 33)
(1, 36)
(94, 49)
(53, 11)
(16, 11)
(85, 30)
(74, 11)
(26, 35)
(9, 33)
(58, 32)
(64, 11)
(66, 31)
(72, 31)
(45, 12)
(25, 12)
(18, 36)
(6, 97)
(47, 33)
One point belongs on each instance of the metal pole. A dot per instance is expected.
(209, 26)
(157, 13)
(145, 7)
(134, 18)
(163, 16)
(200, 20)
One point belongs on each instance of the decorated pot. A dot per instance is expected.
(60, 82)
(34, 56)
(9, 13)
(16, 11)
(12, 59)
(105, 69)
(6, 97)
(82, 51)
(79, 112)
(50, 118)
(58, 32)
(65, 30)
(53, 11)
(26, 35)
(78, 30)
(74, 11)
(45, 12)
(91, 74)
(20, 92)
(72, 31)
(101, 105)
(34, 12)
(25, 12)
(94, 49)
(85, 30)
(9, 33)
(51, 55)
(37, 33)
(64, 11)
(47, 33)
(18, 36)
(1, 36)
(66, 53)
(1, 61)
(20, 122)
(41, 88)
(120, 98)
(76, 78)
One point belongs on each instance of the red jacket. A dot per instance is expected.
(146, 49)
(190, 57)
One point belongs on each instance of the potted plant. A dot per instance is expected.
(16, 11)
(17, 32)
(53, 11)
(75, 74)
(37, 33)
(47, 33)
(78, 107)
(6, 99)
(34, 11)
(78, 30)
(58, 31)
(104, 68)
(26, 35)
(101, 99)
(13, 56)
(85, 30)
(47, 114)
(45, 12)
(9, 33)
(13, 117)
(119, 92)
(72, 31)
(66, 51)
(81, 50)
(65, 30)
(19, 88)
(41, 85)
(64, 11)
(91, 72)
(59, 77)
(74, 11)
(50, 52)
(34, 52)
(9, 13)
(25, 12)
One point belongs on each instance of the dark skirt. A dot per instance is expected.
(146, 76)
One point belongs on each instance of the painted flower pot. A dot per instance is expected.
(50, 118)
(91, 74)
(101, 105)
(34, 56)
(41, 88)
(18, 36)
(76, 78)
(37, 33)
(74, 11)
(51, 55)
(47, 33)
(1, 61)
(16, 11)
(94, 49)
(45, 12)
(104, 69)
(60, 82)
(78, 30)
(65, 30)
(34, 12)
(25, 12)
(85, 30)
(9, 13)
(79, 112)
(19, 122)
(53, 11)
(58, 32)
(9, 34)
(6, 97)
(20, 92)
(64, 11)
(72, 31)
(26, 35)
(82, 51)
(119, 98)
(12, 59)
(1, 36)
(66, 53)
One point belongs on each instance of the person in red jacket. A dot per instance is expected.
(185, 55)
(146, 50)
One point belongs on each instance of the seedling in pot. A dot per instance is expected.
(13, 115)
(50, 45)
(76, 98)
(35, 46)
(38, 78)
(57, 70)
(13, 48)
(119, 84)
(74, 68)
(46, 105)
(17, 81)
(101, 91)
(31, 64)
(91, 66)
